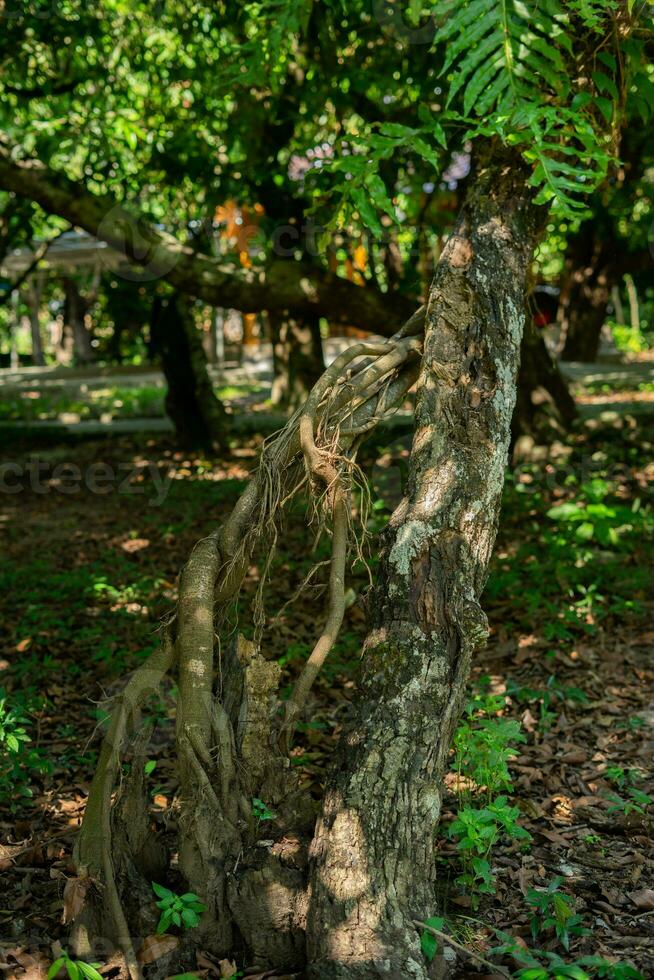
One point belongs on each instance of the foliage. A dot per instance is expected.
(76, 969)
(428, 941)
(19, 764)
(636, 803)
(178, 910)
(593, 519)
(260, 811)
(483, 748)
(547, 965)
(552, 911)
(12, 730)
(628, 339)
(476, 831)
(574, 583)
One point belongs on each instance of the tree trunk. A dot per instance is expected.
(590, 274)
(198, 416)
(372, 858)
(298, 358)
(545, 410)
(75, 310)
(34, 291)
(373, 855)
(634, 312)
(584, 324)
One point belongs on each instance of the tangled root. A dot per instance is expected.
(315, 453)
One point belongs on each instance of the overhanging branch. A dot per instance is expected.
(283, 285)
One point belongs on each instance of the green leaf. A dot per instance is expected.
(89, 971)
(72, 969)
(161, 891)
(428, 941)
(149, 767)
(164, 921)
(190, 918)
(261, 811)
(55, 968)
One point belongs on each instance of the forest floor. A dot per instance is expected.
(92, 540)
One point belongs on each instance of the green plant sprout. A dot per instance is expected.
(552, 911)
(260, 811)
(76, 969)
(178, 910)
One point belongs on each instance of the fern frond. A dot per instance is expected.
(509, 50)
(515, 72)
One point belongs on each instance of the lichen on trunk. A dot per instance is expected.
(373, 854)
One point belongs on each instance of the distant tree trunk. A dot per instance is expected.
(34, 291)
(634, 312)
(75, 309)
(298, 358)
(618, 308)
(590, 274)
(545, 409)
(198, 416)
(373, 853)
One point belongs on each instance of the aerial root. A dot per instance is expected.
(314, 452)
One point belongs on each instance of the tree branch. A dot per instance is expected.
(39, 253)
(301, 287)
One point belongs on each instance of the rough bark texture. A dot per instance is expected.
(298, 358)
(373, 853)
(198, 416)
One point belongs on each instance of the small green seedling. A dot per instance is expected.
(552, 911)
(76, 969)
(177, 910)
(260, 811)
(636, 803)
(428, 941)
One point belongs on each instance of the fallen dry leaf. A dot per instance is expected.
(227, 969)
(154, 947)
(74, 895)
(643, 899)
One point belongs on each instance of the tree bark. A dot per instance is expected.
(198, 416)
(298, 359)
(373, 855)
(34, 292)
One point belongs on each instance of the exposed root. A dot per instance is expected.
(228, 733)
(94, 858)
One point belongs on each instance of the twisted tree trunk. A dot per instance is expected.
(373, 855)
